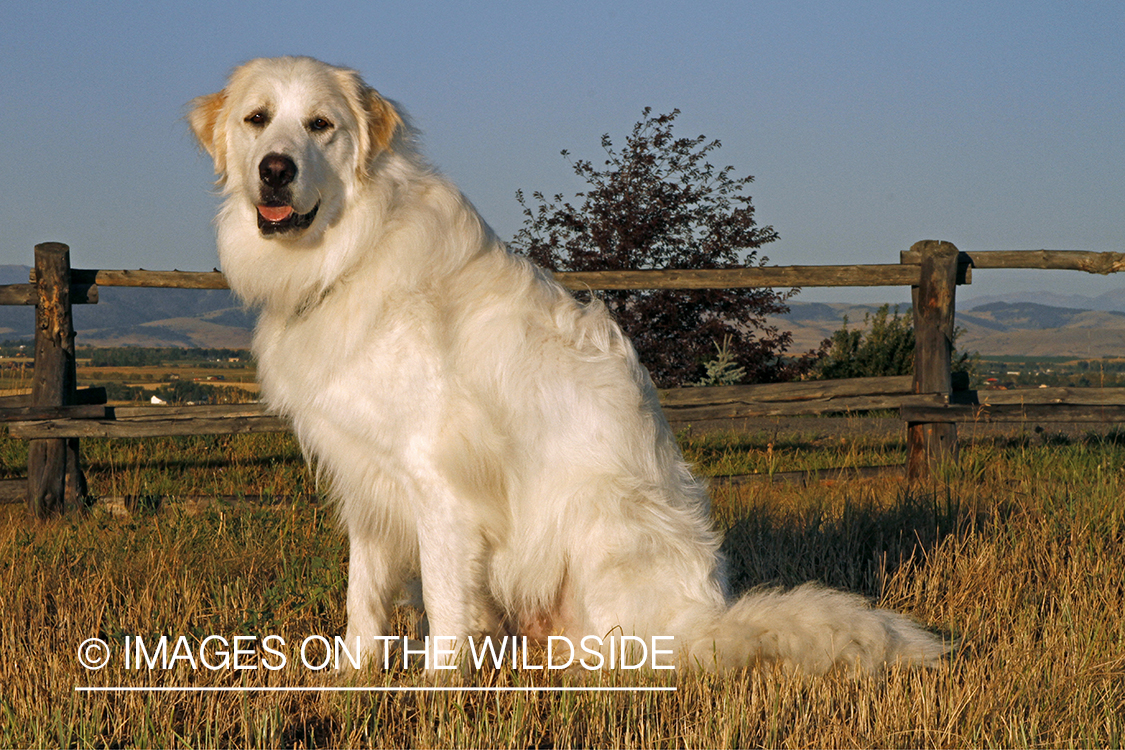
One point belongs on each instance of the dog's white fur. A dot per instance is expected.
(479, 427)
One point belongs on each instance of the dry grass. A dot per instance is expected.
(1020, 554)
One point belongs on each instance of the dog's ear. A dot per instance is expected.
(382, 121)
(206, 123)
(377, 118)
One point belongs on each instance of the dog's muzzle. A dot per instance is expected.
(274, 218)
(275, 211)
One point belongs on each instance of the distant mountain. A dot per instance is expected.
(1033, 329)
(130, 316)
(1031, 315)
(1113, 300)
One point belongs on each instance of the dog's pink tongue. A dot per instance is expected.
(275, 213)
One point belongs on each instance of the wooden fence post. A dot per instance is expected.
(54, 476)
(930, 444)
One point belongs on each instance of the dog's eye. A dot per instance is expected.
(319, 123)
(258, 118)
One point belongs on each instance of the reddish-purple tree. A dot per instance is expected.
(658, 203)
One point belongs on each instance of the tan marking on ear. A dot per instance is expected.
(376, 117)
(382, 121)
(206, 123)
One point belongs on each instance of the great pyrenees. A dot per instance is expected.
(477, 426)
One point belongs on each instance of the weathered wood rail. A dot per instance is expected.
(58, 414)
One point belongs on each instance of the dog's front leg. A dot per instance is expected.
(374, 576)
(452, 559)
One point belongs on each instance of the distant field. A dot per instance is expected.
(1019, 553)
(15, 375)
(240, 378)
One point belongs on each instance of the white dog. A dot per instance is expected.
(479, 427)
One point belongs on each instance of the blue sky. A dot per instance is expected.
(867, 125)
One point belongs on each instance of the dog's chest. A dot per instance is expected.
(354, 374)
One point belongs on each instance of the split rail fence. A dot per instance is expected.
(58, 414)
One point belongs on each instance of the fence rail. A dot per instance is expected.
(1064, 260)
(58, 414)
(890, 274)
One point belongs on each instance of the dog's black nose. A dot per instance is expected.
(277, 170)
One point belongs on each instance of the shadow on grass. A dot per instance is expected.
(1032, 435)
(856, 548)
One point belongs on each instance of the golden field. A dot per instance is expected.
(1019, 553)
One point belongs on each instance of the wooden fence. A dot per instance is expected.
(58, 414)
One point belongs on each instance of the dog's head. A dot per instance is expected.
(290, 136)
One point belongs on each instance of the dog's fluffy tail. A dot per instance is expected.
(815, 630)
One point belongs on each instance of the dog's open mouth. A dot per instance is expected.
(281, 218)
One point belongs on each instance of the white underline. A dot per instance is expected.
(434, 689)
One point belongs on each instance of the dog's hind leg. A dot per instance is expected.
(646, 568)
